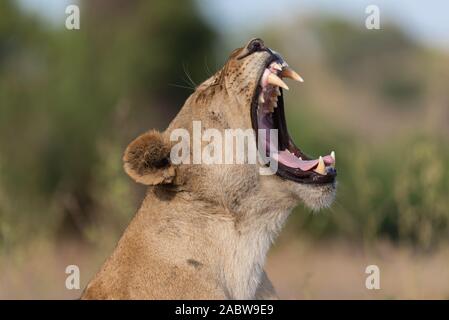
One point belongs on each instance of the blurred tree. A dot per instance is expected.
(383, 60)
(65, 94)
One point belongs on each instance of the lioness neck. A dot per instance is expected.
(226, 249)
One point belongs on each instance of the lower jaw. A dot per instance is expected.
(286, 173)
(308, 177)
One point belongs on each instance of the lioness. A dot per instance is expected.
(203, 230)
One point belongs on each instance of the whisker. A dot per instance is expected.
(181, 86)
(188, 75)
(207, 69)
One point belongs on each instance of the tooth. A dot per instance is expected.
(276, 81)
(321, 168)
(278, 92)
(261, 99)
(290, 73)
(276, 66)
(273, 105)
(333, 157)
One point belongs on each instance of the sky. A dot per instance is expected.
(426, 21)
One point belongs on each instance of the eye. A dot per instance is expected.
(255, 45)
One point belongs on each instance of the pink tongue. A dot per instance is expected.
(292, 161)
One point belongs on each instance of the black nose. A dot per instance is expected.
(331, 171)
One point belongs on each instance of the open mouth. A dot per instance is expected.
(267, 113)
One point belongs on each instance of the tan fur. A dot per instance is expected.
(203, 231)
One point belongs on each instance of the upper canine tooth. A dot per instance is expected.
(333, 157)
(276, 81)
(290, 73)
(321, 168)
(261, 99)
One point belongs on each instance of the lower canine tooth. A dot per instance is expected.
(261, 99)
(321, 168)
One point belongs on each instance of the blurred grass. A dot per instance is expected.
(298, 267)
(335, 269)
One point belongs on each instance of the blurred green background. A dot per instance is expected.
(70, 102)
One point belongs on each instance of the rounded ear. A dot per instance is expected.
(147, 159)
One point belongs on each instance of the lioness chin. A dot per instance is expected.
(203, 230)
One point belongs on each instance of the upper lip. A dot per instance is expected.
(285, 143)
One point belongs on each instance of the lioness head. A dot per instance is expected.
(247, 93)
